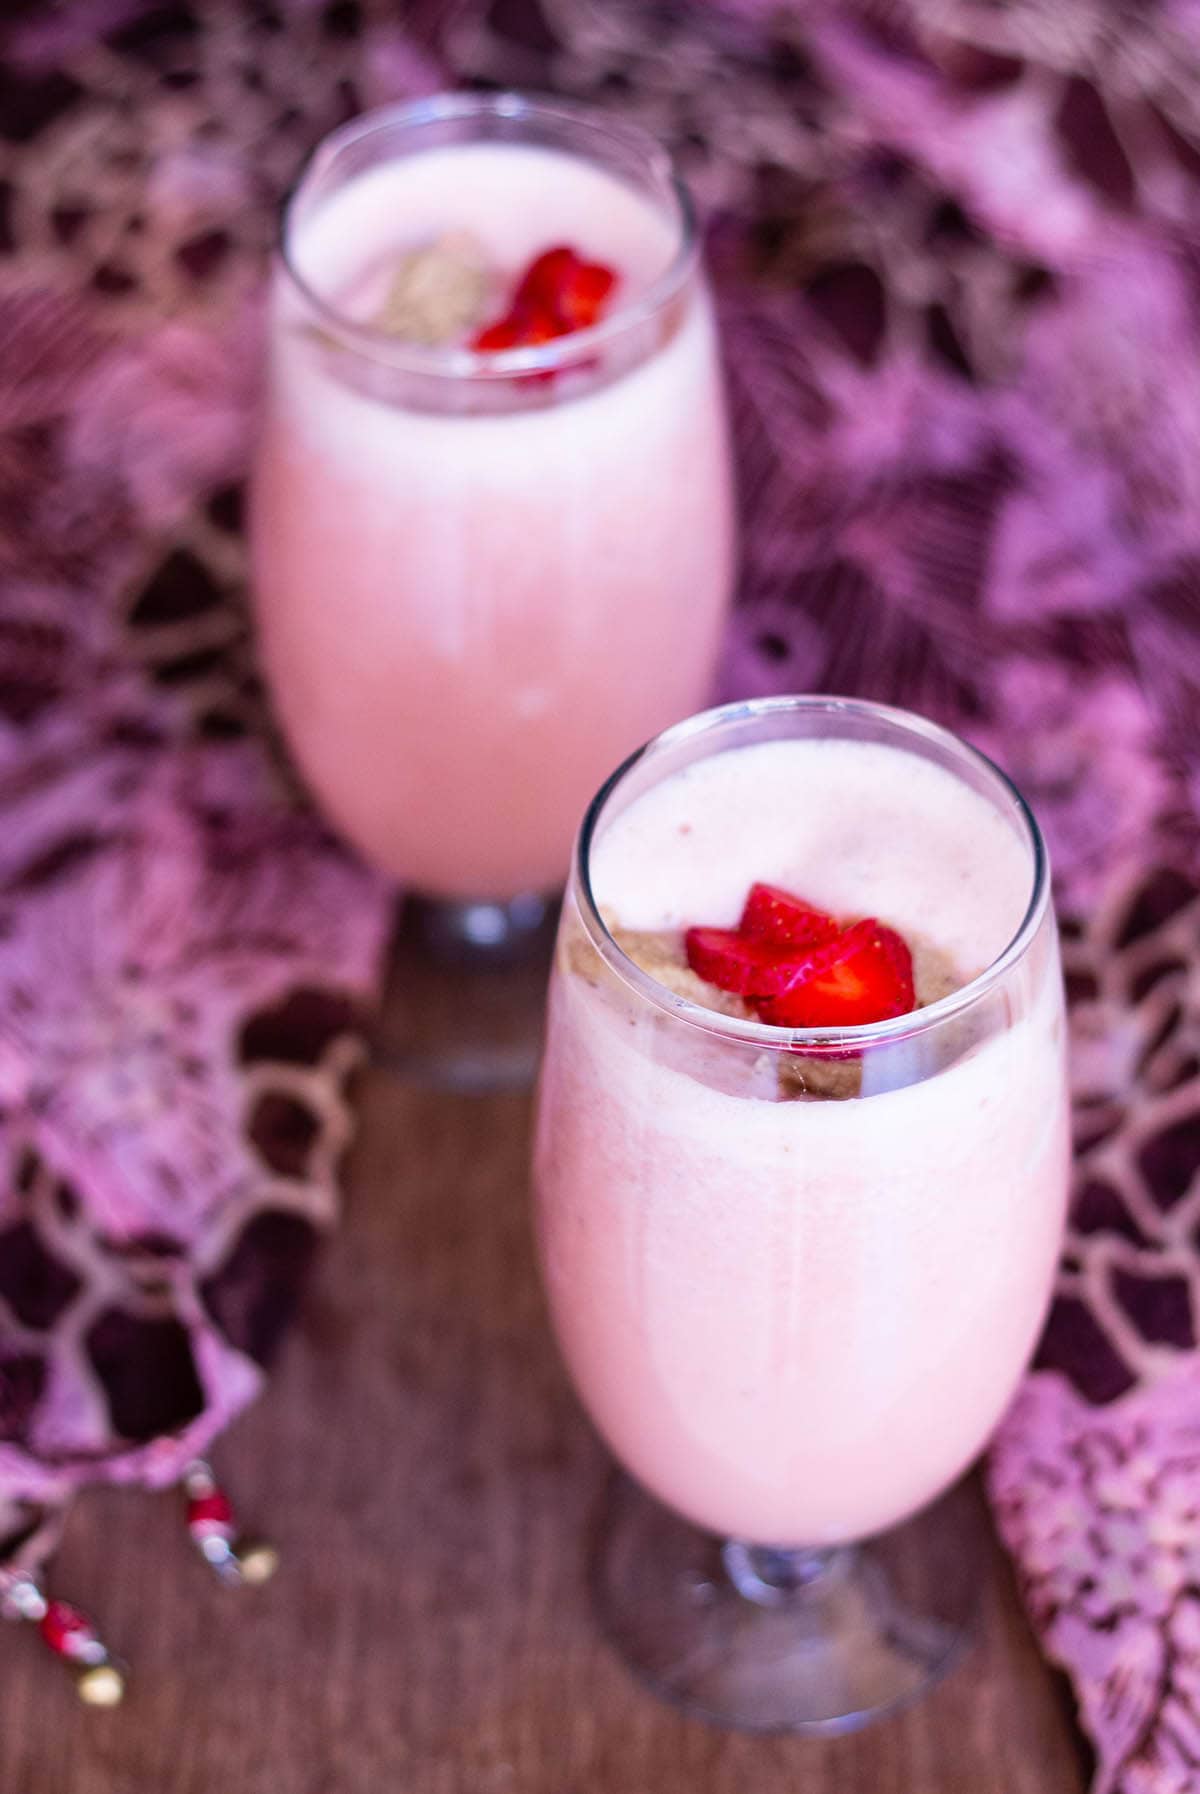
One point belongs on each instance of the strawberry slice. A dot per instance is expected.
(775, 915)
(546, 276)
(584, 294)
(558, 293)
(561, 282)
(744, 968)
(536, 324)
(505, 333)
(523, 327)
(863, 976)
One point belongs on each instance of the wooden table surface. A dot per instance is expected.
(421, 1462)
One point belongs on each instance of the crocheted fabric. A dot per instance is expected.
(955, 251)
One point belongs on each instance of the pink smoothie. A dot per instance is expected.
(468, 614)
(797, 1321)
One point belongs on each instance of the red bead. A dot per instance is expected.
(66, 1630)
(211, 1514)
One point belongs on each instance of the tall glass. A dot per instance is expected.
(796, 1307)
(482, 578)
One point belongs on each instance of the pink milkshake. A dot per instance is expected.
(482, 578)
(796, 1277)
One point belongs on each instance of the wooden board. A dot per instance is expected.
(423, 1466)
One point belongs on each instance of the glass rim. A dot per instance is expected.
(764, 1034)
(457, 363)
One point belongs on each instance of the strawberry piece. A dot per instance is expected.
(535, 324)
(558, 293)
(546, 278)
(775, 915)
(863, 976)
(744, 968)
(505, 333)
(523, 327)
(584, 294)
(560, 281)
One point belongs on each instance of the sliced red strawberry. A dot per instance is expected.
(505, 333)
(523, 327)
(557, 293)
(537, 324)
(560, 281)
(863, 976)
(584, 294)
(547, 274)
(744, 968)
(775, 915)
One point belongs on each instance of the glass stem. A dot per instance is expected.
(770, 1575)
(479, 932)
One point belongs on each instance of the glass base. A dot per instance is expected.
(466, 993)
(785, 1641)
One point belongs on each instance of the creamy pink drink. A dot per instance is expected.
(796, 1290)
(477, 586)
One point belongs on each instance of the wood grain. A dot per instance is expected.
(421, 1462)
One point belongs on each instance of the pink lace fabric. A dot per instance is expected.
(955, 251)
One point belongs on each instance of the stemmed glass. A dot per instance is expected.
(482, 578)
(796, 1322)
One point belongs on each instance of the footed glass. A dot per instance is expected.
(795, 1274)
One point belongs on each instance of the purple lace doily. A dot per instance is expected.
(955, 249)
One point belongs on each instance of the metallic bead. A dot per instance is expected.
(20, 1596)
(198, 1480)
(257, 1561)
(102, 1685)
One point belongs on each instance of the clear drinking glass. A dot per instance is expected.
(797, 1274)
(480, 579)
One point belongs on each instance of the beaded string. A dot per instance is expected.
(71, 1634)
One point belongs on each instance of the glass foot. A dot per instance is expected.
(785, 1641)
(466, 992)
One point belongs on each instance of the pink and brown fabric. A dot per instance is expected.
(955, 250)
